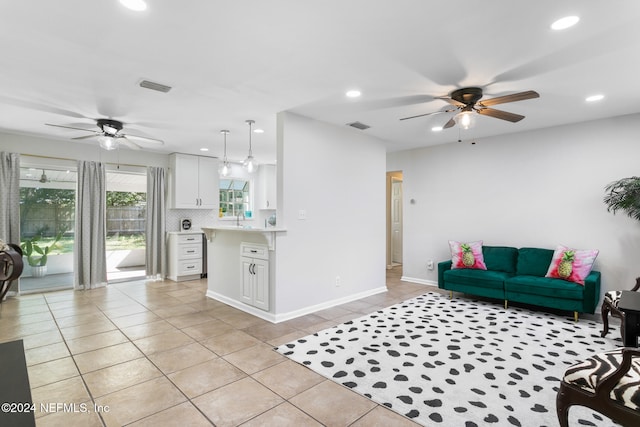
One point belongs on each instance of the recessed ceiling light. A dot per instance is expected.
(353, 93)
(594, 98)
(204, 149)
(137, 5)
(258, 131)
(564, 23)
(436, 128)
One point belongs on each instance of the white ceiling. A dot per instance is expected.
(70, 61)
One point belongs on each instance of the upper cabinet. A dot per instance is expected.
(267, 186)
(193, 182)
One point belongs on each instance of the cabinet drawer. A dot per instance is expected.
(254, 250)
(189, 238)
(189, 251)
(189, 267)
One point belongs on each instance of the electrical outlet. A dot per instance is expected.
(338, 282)
(302, 214)
(430, 264)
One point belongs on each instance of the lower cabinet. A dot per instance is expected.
(184, 256)
(254, 263)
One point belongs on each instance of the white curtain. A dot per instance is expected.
(10, 197)
(155, 228)
(90, 264)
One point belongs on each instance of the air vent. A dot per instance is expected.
(358, 125)
(155, 86)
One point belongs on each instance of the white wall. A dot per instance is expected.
(539, 188)
(337, 176)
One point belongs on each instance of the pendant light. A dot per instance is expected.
(225, 167)
(250, 163)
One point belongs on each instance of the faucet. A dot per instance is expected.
(238, 218)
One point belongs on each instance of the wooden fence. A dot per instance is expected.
(49, 220)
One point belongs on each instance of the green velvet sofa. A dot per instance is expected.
(514, 274)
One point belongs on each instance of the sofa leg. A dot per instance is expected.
(450, 294)
(506, 304)
(575, 316)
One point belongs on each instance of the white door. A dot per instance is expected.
(396, 221)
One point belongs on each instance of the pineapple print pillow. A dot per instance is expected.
(571, 264)
(467, 255)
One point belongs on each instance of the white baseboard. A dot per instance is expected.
(419, 281)
(281, 317)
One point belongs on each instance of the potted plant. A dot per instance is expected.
(624, 195)
(37, 254)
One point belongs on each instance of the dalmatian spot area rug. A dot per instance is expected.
(458, 362)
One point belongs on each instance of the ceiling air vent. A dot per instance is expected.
(155, 86)
(358, 125)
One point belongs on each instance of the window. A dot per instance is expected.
(235, 197)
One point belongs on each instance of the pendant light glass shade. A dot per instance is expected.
(250, 163)
(225, 167)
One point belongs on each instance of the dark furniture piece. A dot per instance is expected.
(610, 305)
(10, 268)
(630, 305)
(514, 274)
(15, 390)
(608, 383)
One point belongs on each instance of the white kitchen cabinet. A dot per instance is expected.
(184, 254)
(193, 182)
(267, 186)
(254, 264)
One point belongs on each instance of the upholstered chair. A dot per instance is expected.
(610, 305)
(608, 383)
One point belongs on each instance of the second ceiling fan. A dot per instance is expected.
(110, 135)
(468, 101)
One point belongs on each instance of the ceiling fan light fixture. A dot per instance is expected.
(108, 142)
(564, 23)
(465, 119)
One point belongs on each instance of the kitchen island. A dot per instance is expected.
(241, 269)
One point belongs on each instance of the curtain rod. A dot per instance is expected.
(62, 158)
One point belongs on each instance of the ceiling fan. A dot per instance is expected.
(468, 100)
(110, 135)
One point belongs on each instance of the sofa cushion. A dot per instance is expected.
(475, 277)
(533, 261)
(543, 286)
(500, 258)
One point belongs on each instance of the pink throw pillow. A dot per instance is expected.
(571, 264)
(467, 255)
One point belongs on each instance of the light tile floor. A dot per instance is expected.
(162, 354)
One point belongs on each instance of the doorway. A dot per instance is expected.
(394, 219)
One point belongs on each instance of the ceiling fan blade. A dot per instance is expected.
(499, 114)
(85, 137)
(74, 128)
(129, 144)
(521, 96)
(451, 101)
(143, 139)
(449, 124)
(427, 114)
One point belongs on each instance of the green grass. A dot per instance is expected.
(113, 243)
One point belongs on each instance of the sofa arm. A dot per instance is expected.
(442, 267)
(591, 291)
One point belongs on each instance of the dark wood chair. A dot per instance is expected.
(608, 383)
(610, 305)
(10, 267)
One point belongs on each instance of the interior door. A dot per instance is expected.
(396, 221)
